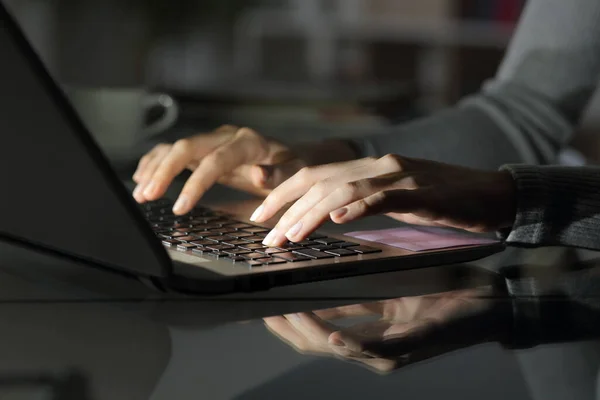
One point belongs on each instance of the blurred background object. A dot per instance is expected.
(304, 68)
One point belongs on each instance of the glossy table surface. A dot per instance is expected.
(75, 332)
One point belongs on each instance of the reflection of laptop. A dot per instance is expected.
(60, 194)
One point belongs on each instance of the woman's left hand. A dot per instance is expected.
(410, 190)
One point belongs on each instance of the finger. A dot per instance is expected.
(386, 339)
(142, 165)
(172, 164)
(358, 310)
(389, 201)
(290, 225)
(247, 147)
(312, 327)
(345, 194)
(146, 174)
(282, 328)
(298, 185)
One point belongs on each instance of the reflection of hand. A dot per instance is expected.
(240, 158)
(410, 190)
(410, 329)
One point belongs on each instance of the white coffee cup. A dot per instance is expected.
(116, 116)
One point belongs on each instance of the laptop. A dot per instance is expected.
(60, 194)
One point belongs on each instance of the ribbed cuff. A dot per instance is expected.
(532, 203)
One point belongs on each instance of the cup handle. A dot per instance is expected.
(169, 118)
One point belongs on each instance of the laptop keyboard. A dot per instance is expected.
(214, 234)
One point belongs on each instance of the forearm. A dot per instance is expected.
(529, 111)
(556, 206)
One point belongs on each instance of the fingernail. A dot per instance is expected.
(137, 191)
(256, 215)
(270, 238)
(294, 230)
(181, 204)
(149, 192)
(337, 214)
(336, 342)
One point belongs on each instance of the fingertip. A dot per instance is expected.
(337, 216)
(182, 205)
(138, 193)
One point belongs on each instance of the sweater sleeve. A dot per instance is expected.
(529, 110)
(556, 206)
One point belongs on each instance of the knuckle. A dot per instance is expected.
(183, 144)
(393, 161)
(320, 189)
(226, 128)
(145, 159)
(360, 207)
(247, 133)
(304, 173)
(410, 182)
(162, 147)
(210, 160)
(350, 189)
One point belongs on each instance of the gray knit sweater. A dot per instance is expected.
(525, 115)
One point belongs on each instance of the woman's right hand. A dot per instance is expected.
(237, 157)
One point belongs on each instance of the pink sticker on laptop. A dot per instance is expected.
(421, 238)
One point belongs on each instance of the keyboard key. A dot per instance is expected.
(200, 251)
(187, 238)
(291, 257)
(240, 235)
(255, 230)
(186, 246)
(318, 255)
(253, 263)
(253, 256)
(255, 239)
(341, 252)
(172, 242)
(213, 238)
(221, 230)
(236, 252)
(290, 247)
(214, 254)
(175, 235)
(345, 244)
(328, 241)
(235, 242)
(237, 259)
(322, 247)
(271, 250)
(202, 243)
(239, 226)
(364, 249)
(218, 247)
(181, 226)
(307, 243)
(271, 261)
(252, 246)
